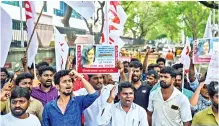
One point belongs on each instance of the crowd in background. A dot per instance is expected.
(157, 94)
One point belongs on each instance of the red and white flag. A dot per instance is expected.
(115, 18)
(30, 21)
(61, 50)
(184, 57)
(6, 35)
(85, 8)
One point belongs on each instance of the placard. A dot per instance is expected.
(203, 49)
(124, 58)
(213, 68)
(152, 58)
(93, 59)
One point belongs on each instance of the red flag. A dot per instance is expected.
(116, 18)
(30, 21)
(184, 57)
(61, 50)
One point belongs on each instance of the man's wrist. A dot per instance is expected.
(110, 100)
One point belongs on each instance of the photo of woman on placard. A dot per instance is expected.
(88, 55)
(204, 48)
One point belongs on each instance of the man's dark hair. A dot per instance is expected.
(136, 64)
(59, 75)
(177, 66)
(134, 59)
(19, 92)
(4, 70)
(91, 75)
(161, 60)
(40, 64)
(153, 73)
(180, 74)
(213, 88)
(124, 62)
(124, 85)
(23, 76)
(152, 66)
(169, 70)
(45, 68)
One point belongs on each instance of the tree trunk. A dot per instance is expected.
(71, 36)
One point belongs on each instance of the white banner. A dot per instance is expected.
(6, 35)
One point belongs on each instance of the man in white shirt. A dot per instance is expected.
(35, 107)
(90, 114)
(125, 112)
(167, 105)
(19, 101)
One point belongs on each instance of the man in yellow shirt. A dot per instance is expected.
(209, 116)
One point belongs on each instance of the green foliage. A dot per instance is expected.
(165, 18)
(141, 17)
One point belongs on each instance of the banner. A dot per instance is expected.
(85, 8)
(203, 49)
(93, 59)
(6, 35)
(124, 58)
(213, 68)
(152, 58)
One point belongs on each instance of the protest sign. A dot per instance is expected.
(203, 49)
(124, 58)
(213, 68)
(93, 59)
(152, 58)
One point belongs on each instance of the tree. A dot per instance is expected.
(172, 14)
(141, 17)
(71, 36)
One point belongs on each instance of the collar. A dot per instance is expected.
(119, 106)
(72, 99)
(39, 88)
(31, 99)
(156, 85)
(210, 111)
(175, 93)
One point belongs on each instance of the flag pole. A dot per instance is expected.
(21, 25)
(183, 76)
(34, 68)
(107, 23)
(28, 44)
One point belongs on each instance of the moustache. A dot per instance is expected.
(162, 82)
(68, 87)
(49, 81)
(18, 108)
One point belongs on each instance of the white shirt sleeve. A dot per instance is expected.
(185, 110)
(105, 115)
(143, 118)
(80, 92)
(150, 104)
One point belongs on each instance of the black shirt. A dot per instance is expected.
(142, 95)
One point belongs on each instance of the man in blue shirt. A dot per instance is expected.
(66, 110)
